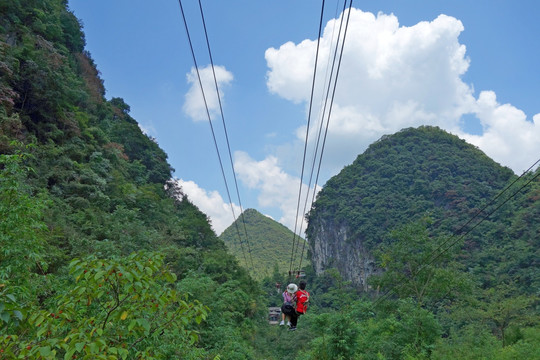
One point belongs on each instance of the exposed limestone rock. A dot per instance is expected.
(331, 247)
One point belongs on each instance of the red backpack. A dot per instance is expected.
(302, 298)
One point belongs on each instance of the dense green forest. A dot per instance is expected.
(102, 256)
(406, 175)
(428, 172)
(269, 244)
(455, 240)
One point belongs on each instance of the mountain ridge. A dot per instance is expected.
(400, 178)
(270, 243)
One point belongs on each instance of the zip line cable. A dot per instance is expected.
(453, 243)
(488, 204)
(432, 257)
(484, 218)
(471, 219)
(322, 122)
(328, 78)
(330, 108)
(326, 97)
(226, 134)
(307, 133)
(211, 126)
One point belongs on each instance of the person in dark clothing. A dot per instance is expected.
(302, 299)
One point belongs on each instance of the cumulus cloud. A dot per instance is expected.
(277, 188)
(211, 203)
(507, 137)
(148, 129)
(393, 77)
(194, 105)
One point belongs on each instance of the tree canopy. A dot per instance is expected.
(102, 256)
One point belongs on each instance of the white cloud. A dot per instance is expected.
(393, 77)
(210, 203)
(277, 188)
(194, 105)
(508, 137)
(147, 130)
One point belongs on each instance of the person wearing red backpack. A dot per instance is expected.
(302, 300)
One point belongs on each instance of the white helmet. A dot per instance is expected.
(292, 288)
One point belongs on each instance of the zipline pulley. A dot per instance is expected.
(297, 273)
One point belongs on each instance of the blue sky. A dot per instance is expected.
(470, 67)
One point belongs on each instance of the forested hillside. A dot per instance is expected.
(269, 242)
(444, 242)
(101, 256)
(401, 178)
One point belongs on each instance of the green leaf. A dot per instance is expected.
(74, 262)
(193, 338)
(69, 354)
(99, 275)
(132, 325)
(39, 320)
(81, 290)
(94, 348)
(123, 353)
(101, 343)
(5, 316)
(145, 324)
(41, 331)
(45, 351)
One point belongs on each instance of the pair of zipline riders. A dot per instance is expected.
(295, 304)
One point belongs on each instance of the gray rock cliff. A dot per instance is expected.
(331, 246)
